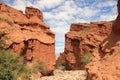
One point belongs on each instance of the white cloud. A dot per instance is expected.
(48, 15)
(59, 50)
(107, 3)
(42, 4)
(88, 12)
(60, 30)
(19, 4)
(107, 17)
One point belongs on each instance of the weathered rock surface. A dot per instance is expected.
(100, 38)
(28, 35)
(83, 39)
(105, 61)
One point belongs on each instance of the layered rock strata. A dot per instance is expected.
(105, 61)
(102, 39)
(83, 39)
(28, 35)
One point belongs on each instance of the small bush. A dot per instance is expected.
(3, 39)
(40, 67)
(26, 73)
(86, 58)
(10, 22)
(10, 67)
(2, 42)
(61, 66)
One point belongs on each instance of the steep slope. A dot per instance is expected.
(28, 35)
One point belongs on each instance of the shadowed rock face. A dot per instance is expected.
(116, 26)
(28, 35)
(83, 39)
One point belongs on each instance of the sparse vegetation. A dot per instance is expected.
(10, 67)
(86, 58)
(85, 30)
(3, 39)
(10, 22)
(40, 67)
(2, 42)
(61, 66)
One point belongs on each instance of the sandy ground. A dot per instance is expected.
(66, 75)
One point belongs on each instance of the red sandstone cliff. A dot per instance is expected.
(83, 39)
(105, 61)
(28, 35)
(100, 38)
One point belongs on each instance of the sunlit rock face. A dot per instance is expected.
(28, 35)
(105, 61)
(81, 40)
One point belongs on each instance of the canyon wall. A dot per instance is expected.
(102, 40)
(83, 39)
(104, 63)
(28, 35)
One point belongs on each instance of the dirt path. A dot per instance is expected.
(66, 75)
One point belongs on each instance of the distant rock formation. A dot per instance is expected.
(28, 35)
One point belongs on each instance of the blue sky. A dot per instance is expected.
(59, 14)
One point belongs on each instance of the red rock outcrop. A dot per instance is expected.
(105, 61)
(31, 12)
(82, 39)
(28, 35)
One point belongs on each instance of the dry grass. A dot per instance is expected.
(10, 22)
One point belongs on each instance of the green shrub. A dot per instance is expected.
(3, 39)
(86, 58)
(2, 42)
(61, 66)
(10, 22)
(40, 67)
(25, 73)
(10, 67)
